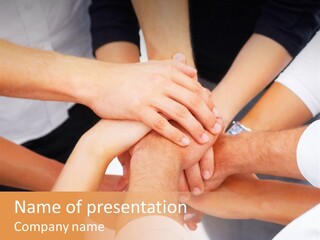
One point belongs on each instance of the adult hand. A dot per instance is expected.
(193, 178)
(153, 93)
(111, 183)
(226, 160)
(192, 218)
(230, 200)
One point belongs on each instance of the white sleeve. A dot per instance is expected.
(304, 227)
(302, 76)
(308, 153)
(153, 227)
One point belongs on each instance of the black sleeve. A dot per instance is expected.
(291, 23)
(113, 20)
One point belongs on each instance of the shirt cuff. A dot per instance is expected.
(308, 153)
(153, 227)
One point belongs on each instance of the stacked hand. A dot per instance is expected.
(153, 93)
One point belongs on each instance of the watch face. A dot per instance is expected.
(235, 129)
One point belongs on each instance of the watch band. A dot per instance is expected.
(237, 128)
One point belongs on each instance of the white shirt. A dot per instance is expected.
(307, 226)
(308, 154)
(302, 76)
(57, 25)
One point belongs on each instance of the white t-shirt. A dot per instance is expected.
(308, 153)
(58, 25)
(307, 226)
(302, 76)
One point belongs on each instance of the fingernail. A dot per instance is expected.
(217, 128)
(204, 138)
(179, 57)
(206, 174)
(216, 112)
(196, 191)
(185, 141)
(188, 216)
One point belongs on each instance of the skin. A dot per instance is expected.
(159, 88)
(194, 174)
(94, 152)
(235, 90)
(24, 169)
(105, 140)
(170, 163)
(259, 61)
(271, 153)
(265, 149)
(165, 25)
(296, 112)
(246, 197)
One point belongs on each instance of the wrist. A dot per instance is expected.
(85, 79)
(239, 144)
(240, 159)
(248, 158)
(64, 77)
(55, 169)
(90, 149)
(46, 174)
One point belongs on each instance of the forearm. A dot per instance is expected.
(246, 197)
(154, 175)
(22, 168)
(44, 75)
(296, 112)
(83, 171)
(165, 25)
(95, 150)
(282, 202)
(118, 52)
(153, 170)
(257, 64)
(271, 153)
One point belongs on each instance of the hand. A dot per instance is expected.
(192, 218)
(231, 200)
(226, 161)
(172, 156)
(188, 156)
(154, 92)
(192, 179)
(111, 183)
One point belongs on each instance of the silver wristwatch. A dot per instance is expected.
(237, 128)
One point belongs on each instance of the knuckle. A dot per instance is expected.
(157, 79)
(176, 135)
(195, 101)
(197, 88)
(209, 120)
(160, 123)
(182, 112)
(174, 63)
